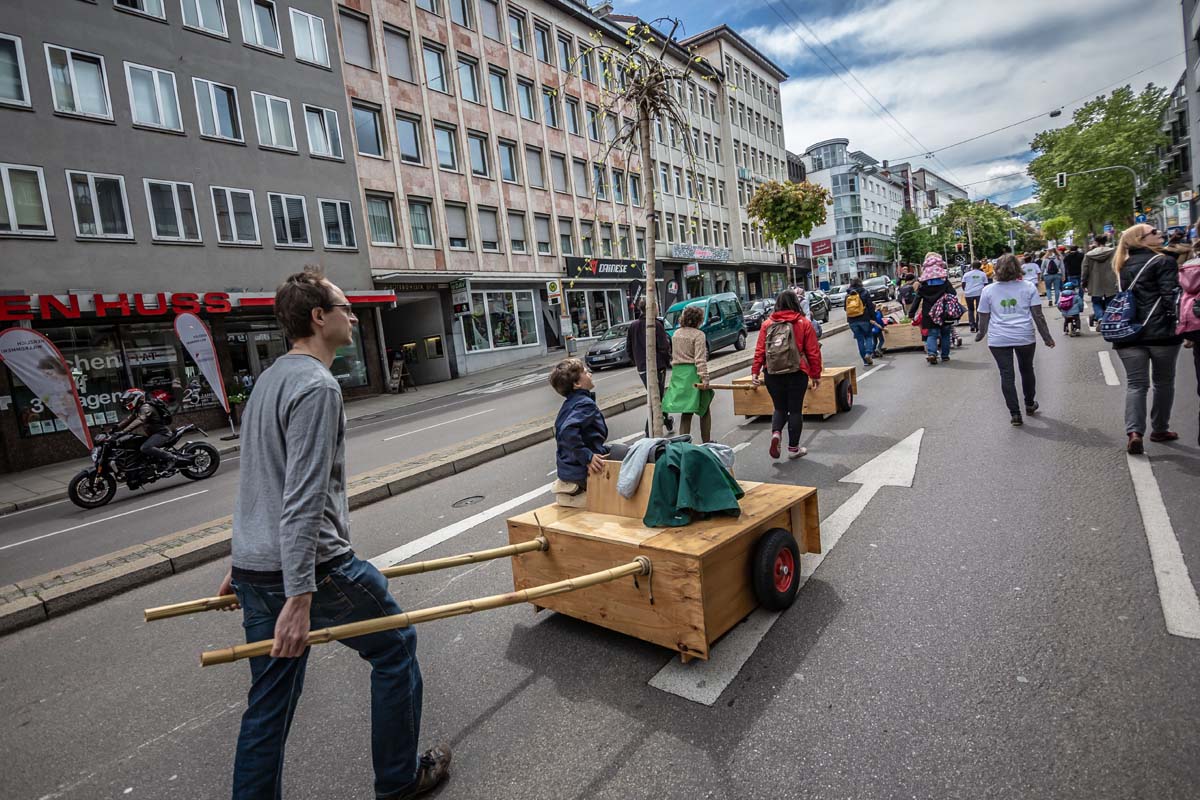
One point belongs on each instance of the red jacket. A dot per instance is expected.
(806, 340)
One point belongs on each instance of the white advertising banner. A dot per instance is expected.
(196, 339)
(37, 362)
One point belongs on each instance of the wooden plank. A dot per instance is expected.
(757, 402)
(603, 497)
(727, 578)
(762, 501)
(806, 524)
(751, 403)
(901, 336)
(674, 620)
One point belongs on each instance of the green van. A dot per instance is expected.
(723, 323)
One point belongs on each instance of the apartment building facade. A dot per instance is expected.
(162, 156)
(497, 209)
(1175, 161)
(1191, 82)
(857, 236)
(925, 192)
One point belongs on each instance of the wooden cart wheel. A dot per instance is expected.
(845, 397)
(776, 570)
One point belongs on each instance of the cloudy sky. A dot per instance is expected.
(949, 70)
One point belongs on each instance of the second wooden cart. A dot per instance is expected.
(838, 387)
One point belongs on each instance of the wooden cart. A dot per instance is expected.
(838, 387)
(902, 336)
(706, 576)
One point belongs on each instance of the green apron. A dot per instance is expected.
(682, 397)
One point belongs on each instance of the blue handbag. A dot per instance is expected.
(1119, 323)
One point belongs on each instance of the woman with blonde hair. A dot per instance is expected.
(1149, 357)
(689, 366)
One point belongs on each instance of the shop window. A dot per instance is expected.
(308, 37)
(499, 320)
(172, 208)
(349, 366)
(29, 213)
(593, 311)
(153, 100)
(253, 346)
(289, 220)
(93, 355)
(338, 222)
(204, 15)
(158, 366)
(100, 206)
(260, 28)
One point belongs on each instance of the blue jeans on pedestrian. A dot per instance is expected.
(865, 337)
(939, 333)
(1098, 306)
(1053, 287)
(350, 592)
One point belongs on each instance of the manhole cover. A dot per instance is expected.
(468, 501)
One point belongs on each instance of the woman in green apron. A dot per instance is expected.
(689, 366)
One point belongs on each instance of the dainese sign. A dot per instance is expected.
(605, 268)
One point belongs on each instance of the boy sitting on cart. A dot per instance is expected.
(579, 433)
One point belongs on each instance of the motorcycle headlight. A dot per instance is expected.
(95, 454)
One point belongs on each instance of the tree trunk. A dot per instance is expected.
(653, 404)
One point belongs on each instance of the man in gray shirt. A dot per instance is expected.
(293, 567)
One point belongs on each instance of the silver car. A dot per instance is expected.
(837, 295)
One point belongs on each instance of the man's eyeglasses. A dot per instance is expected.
(346, 306)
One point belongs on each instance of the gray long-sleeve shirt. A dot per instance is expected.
(292, 512)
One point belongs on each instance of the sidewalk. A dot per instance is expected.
(34, 487)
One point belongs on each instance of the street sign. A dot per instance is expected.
(958, 231)
(691, 270)
(1140, 218)
(460, 296)
(1170, 200)
(1108, 227)
(1186, 196)
(554, 292)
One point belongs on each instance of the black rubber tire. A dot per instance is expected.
(825, 319)
(207, 456)
(740, 344)
(776, 570)
(843, 396)
(96, 500)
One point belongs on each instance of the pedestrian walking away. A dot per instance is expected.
(788, 354)
(635, 345)
(934, 285)
(1031, 270)
(860, 314)
(1070, 303)
(1073, 265)
(1189, 310)
(972, 285)
(1150, 355)
(1009, 310)
(1097, 276)
(689, 366)
(1052, 277)
(293, 566)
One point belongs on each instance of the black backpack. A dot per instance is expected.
(160, 408)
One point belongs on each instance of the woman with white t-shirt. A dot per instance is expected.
(1009, 309)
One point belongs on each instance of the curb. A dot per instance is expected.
(37, 599)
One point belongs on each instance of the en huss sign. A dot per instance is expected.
(14, 307)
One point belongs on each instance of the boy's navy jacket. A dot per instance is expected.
(579, 432)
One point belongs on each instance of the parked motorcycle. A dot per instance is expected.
(117, 458)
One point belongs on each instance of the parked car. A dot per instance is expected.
(818, 305)
(609, 350)
(758, 311)
(837, 295)
(879, 289)
(724, 323)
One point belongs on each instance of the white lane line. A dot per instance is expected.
(871, 371)
(1176, 592)
(1106, 366)
(27, 510)
(105, 519)
(441, 407)
(438, 425)
(407, 551)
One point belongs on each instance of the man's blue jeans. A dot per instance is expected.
(1053, 287)
(865, 338)
(348, 593)
(944, 334)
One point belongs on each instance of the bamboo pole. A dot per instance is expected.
(639, 566)
(747, 387)
(398, 571)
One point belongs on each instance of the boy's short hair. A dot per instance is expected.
(566, 374)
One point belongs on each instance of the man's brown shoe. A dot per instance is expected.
(434, 768)
(1134, 446)
(1164, 436)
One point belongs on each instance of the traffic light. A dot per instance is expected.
(1061, 180)
(958, 247)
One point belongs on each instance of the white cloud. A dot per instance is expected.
(951, 70)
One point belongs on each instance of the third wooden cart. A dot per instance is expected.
(706, 576)
(901, 336)
(836, 393)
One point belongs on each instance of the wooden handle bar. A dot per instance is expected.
(639, 566)
(398, 571)
(748, 387)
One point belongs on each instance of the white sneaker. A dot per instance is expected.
(803, 451)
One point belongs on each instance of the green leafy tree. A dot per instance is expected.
(789, 211)
(912, 242)
(1055, 227)
(1119, 129)
(988, 228)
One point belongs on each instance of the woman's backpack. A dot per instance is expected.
(782, 350)
(946, 309)
(1189, 298)
(1119, 323)
(854, 304)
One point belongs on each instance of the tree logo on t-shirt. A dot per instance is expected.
(1008, 305)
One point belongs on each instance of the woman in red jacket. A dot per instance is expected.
(787, 385)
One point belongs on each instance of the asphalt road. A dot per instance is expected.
(994, 631)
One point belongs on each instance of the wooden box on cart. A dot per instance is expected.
(702, 580)
(901, 336)
(838, 387)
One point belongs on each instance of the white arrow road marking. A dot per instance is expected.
(704, 681)
(1176, 592)
(438, 425)
(1106, 366)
